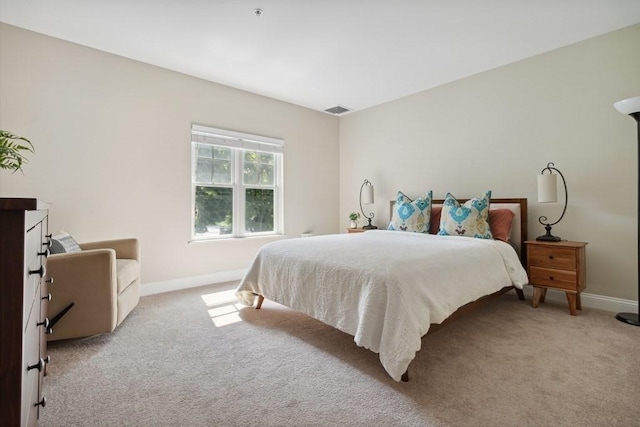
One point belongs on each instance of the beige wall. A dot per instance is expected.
(498, 129)
(112, 140)
(113, 150)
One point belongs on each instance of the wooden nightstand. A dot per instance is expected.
(557, 265)
(355, 230)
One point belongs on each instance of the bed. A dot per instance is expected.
(389, 288)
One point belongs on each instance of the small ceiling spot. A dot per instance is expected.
(337, 110)
(258, 12)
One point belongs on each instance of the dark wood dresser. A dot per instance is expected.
(24, 247)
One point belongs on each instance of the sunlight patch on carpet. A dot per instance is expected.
(223, 307)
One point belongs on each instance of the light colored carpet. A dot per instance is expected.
(506, 364)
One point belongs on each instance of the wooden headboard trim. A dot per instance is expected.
(496, 201)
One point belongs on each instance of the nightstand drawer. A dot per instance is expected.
(558, 258)
(562, 279)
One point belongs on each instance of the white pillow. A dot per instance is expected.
(62, 242)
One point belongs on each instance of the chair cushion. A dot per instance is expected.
(128, 270)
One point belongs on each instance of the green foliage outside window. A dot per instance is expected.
(214, 199)
(259, 209)
(258, 168)
(214, 208)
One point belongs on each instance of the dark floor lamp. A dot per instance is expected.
(631, 107)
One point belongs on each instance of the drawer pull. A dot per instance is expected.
(47, 326)
(50, 280)
(42, 402)
(47, 359)
(39, 271)
(48, 297)
(45, 253)
(47, 243)
(39, 366)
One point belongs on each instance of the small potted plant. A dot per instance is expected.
(12, 150)
(354, 217)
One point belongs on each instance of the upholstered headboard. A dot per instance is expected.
(519, 227)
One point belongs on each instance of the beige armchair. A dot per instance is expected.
(103, 283)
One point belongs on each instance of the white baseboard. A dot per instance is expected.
(190, 282)
(600, 302)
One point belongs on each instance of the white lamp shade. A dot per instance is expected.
(547, 188)
(628, 106)
(367, 194)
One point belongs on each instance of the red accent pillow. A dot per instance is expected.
(436, 211)
(500, 221)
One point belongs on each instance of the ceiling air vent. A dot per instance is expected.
(337, 110)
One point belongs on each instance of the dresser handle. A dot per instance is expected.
(39, 271)
(42, 402)
(47, 243)
(45, 253)
(47, 359)
(48, 297)
(50, 280)
(47, 326)
(39, 366)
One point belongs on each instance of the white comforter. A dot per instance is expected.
(383, 287)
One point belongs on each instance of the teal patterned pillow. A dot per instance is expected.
(411, 215)
(470, 219)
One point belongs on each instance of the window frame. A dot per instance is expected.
(239, 143)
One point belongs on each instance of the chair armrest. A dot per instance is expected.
(88, 279)
(125, 248)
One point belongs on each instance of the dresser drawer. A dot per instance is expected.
(23, 229)
(558, 258)
(562, 279)
(32, 263)
(31, 377)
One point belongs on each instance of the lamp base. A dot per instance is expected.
(548, 238)
(630, 318)
(369, 226)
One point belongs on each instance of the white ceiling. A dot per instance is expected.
(323, 53)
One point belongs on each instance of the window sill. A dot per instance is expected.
(268, 237)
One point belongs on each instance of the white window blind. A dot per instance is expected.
(226, 138)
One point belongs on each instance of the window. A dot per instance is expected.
(236, 182)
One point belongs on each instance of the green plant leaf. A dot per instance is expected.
(12, 151)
